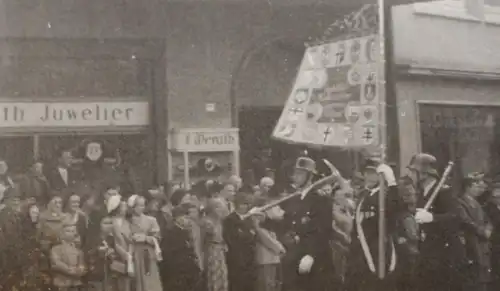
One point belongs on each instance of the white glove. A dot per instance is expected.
(423, 216)
(388, 174)
(305, 264)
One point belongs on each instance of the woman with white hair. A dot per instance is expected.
(144, 236)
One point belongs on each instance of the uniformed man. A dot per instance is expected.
(362, 270)
(440, 249)
(307, 228)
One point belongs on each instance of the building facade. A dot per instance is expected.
(447, 84)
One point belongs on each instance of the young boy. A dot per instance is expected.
(67, 260)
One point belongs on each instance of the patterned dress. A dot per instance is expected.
(215, 255)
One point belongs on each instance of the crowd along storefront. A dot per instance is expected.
(447, 85)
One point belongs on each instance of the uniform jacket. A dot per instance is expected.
(439, 238)
(308, 227)
(365, 236)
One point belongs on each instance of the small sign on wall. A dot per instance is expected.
(210, 107)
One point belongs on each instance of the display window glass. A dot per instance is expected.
(468, 135)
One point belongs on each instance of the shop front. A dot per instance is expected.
(447, 85)
(203, 154)
(40, 130)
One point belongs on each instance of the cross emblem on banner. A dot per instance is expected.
(327, 133)
(368, 135)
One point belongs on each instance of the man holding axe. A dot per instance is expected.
(306, 228)
(440, 248)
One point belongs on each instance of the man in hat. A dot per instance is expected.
(307, 229)
(440, 248)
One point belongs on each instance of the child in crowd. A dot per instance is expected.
(67, 261)
(268, 252)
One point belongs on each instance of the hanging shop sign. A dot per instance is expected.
(73, 114)
(205, 140)
(335, 99)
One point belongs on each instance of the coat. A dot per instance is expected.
(441, 251)
(57, 183)
(307, 230)
(241, 240)
(493, 212)
(181, 267)
(63, 259)
(362, 269)
(31, 185)
(475, 229)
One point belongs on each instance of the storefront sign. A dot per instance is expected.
(205, 140)
(73, 114)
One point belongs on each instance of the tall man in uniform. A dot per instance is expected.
(307, 228)
(441, 251)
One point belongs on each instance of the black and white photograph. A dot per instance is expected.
(250, 145)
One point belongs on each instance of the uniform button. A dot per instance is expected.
(446, 245)
(294, 222)
(308, 212)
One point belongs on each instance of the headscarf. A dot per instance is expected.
(132, 200)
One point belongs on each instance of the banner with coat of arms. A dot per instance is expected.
(334, 101)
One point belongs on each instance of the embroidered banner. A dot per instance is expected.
(334, 101)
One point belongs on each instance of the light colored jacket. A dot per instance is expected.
(269, 249)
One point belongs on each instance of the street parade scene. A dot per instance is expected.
(196, 146)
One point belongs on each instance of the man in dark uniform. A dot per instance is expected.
(307, 228)
(441, 251)
(363, 268)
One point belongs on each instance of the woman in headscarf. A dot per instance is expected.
(119, 240)
(214, 247)
(145, 234)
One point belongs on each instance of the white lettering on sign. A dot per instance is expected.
(74, 114)
(205, 140)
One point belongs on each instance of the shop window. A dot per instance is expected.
(465, 134)
(17, 152)
(134, 148)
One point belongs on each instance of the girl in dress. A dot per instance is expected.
(144, 237)
(214, 247)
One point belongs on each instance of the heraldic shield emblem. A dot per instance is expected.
(93, 151)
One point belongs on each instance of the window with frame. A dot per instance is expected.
(468, 135)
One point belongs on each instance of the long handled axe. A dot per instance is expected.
(334, 175)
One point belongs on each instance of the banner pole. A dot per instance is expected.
(381, 78)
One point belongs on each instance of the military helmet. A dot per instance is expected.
(306, 164)
(424, 163)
